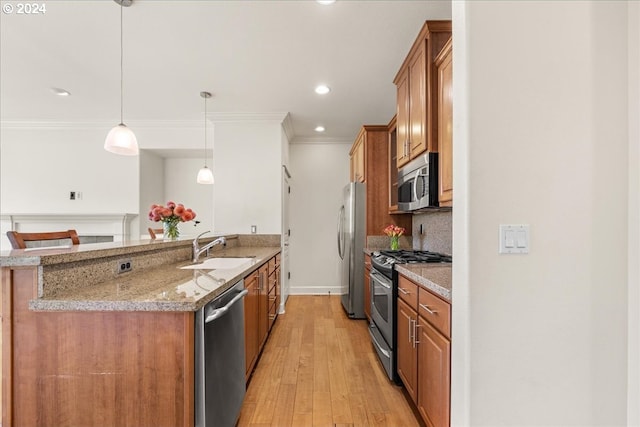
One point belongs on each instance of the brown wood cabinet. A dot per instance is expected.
(392, 165)
(358, 169)
(416, 85)
(251, 312)
(424, 350)
(260, 309)
(141, 364)
(274, 292)
(444, 66)
(374, 143)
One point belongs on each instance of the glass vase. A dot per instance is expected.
(395, 243)
(170, 230)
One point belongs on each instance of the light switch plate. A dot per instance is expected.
(514, 239)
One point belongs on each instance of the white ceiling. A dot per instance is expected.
(255, 57)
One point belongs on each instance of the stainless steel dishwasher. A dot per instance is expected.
(219, 359)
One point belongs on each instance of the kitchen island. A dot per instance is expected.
(85, 345)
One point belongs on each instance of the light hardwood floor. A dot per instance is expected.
(318, 368)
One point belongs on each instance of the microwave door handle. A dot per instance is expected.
(415, 186)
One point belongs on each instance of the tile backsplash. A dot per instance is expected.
(436, 231)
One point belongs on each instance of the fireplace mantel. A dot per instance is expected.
(106, 224)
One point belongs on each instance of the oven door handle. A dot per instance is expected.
(375, 341)
(376, 276)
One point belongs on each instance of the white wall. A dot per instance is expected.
(633, 397)
(541, 339)
(180, 186)
(151, 187)
(247, 166)
(320, 172)
(40, 166)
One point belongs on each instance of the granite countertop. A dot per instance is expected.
(164, 288)
(434, 277)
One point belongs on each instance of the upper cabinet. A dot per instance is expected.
(369, 157)
(444, 67)
(358, 160)
(417, 103)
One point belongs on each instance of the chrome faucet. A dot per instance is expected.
(197, 250)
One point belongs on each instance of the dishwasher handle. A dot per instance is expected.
(219, 312)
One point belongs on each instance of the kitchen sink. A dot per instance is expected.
(220, 263)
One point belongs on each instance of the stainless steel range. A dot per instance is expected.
(383, 283)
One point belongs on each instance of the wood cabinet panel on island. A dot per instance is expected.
(416, 84)
(374, 143)
(120, 351)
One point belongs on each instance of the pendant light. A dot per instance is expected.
(121, 140)
(205, 176)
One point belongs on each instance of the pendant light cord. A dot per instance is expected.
(121, 69)
(205, 131)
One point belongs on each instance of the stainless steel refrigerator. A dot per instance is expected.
(351, 241)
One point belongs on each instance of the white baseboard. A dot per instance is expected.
(315, 290)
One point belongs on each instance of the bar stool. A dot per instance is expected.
(19, 240)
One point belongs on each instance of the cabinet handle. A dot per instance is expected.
(434, 312)
(415, 333)
(410, 330)
(404, 291)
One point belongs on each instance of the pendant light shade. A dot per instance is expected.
(121, 139)
(205, 175)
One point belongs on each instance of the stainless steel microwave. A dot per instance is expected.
(418, 183)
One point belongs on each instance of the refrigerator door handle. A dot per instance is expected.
(340, 232)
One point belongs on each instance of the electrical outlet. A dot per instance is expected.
(72, 195)
(124, 265)
(254, 229)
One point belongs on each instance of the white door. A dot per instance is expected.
(286, 232)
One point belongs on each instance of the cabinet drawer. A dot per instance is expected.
(408, 291)
(272, 265)
(436, 311)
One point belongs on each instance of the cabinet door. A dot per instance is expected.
(359, 174)
(406, 352)
(434, 375)
(251, 322)
(417, 103)
(402, 120)
(263, 304)
(445, 125)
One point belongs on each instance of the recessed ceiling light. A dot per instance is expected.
(319, 129)
(322, 89)
(60, 92)
(326, 2)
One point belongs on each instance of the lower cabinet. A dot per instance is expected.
(424, 350)
(251, 344)
(260, 309)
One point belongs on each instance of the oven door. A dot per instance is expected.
(382, 306)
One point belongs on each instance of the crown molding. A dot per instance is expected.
(321, 140)
(247, 117)
(151, 124)
(134, 124)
